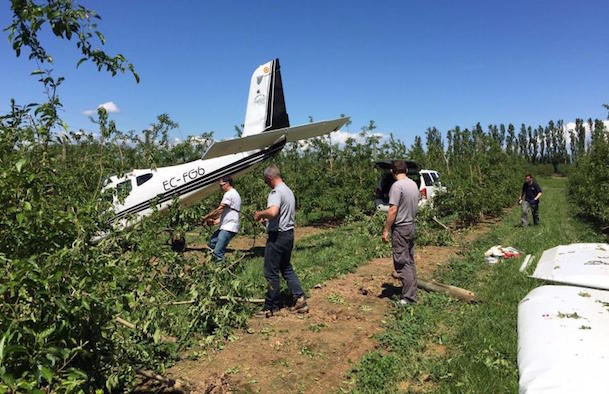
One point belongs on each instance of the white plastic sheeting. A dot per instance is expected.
(584, 264)
(563, 340)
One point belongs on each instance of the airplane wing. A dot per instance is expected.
(268, 138)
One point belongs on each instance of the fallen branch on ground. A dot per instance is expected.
(454, 291)
(223, 298)
(435, 219)
(128, 324)
(174, 384)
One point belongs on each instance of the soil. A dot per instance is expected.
(313, 352)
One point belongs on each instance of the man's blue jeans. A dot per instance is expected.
(219, 241)
(277, 254)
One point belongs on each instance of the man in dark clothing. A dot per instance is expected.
(529, 198)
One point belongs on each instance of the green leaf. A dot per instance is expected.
(111, 382)
(46, 373)
(20, 164)
(157, 335)
(101, 37)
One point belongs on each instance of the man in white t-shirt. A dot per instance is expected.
(227, 216)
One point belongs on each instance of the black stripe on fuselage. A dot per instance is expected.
(203, 181)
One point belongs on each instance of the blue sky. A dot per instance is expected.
(407, 65)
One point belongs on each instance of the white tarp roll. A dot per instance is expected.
(583, 264)
(563, 341)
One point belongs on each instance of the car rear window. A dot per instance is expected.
(385, 184)
(427, 179)
(435, 176)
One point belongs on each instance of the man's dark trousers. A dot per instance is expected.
(535, 210)
(402, 240)
(534, 207)
(277, 254)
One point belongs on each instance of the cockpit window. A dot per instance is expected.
(106, 182)
(140, 180)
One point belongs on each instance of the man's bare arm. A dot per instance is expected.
(391, 214)
(215, 213)
(269, 213)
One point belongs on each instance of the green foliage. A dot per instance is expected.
(66, 20)
(589, 180)
(61, 295)
(480, 177)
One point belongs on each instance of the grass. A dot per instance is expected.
(479, 340)
(317, 258)
(321, 257)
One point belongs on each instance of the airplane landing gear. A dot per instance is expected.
(178, 243)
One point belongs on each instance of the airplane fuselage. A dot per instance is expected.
(151, 189)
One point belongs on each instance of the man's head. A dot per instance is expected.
(528, 179)
(272, 176)
(226, 182)
(398, 167)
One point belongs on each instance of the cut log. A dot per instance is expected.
(453, 291)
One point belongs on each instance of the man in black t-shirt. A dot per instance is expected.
(529, 198)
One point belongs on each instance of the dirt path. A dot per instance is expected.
(300, 232)
(312, 352)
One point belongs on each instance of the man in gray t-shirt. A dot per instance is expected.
(281, 196)
(279, 218)
(403, 203)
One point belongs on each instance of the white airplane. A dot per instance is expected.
(266, 131)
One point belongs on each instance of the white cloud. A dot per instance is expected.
(110, 107)
(571, 126)
(340, 137)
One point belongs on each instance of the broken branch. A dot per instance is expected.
(435, 219)
(128, 324)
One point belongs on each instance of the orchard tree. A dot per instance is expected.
(510, 144)
(580, 132)
(417, 153)
(522, 142)
(435, 147)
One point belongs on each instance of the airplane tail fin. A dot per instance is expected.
(265, 103)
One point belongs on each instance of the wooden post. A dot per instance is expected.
(457, 292)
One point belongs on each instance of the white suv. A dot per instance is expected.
(428, 182)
